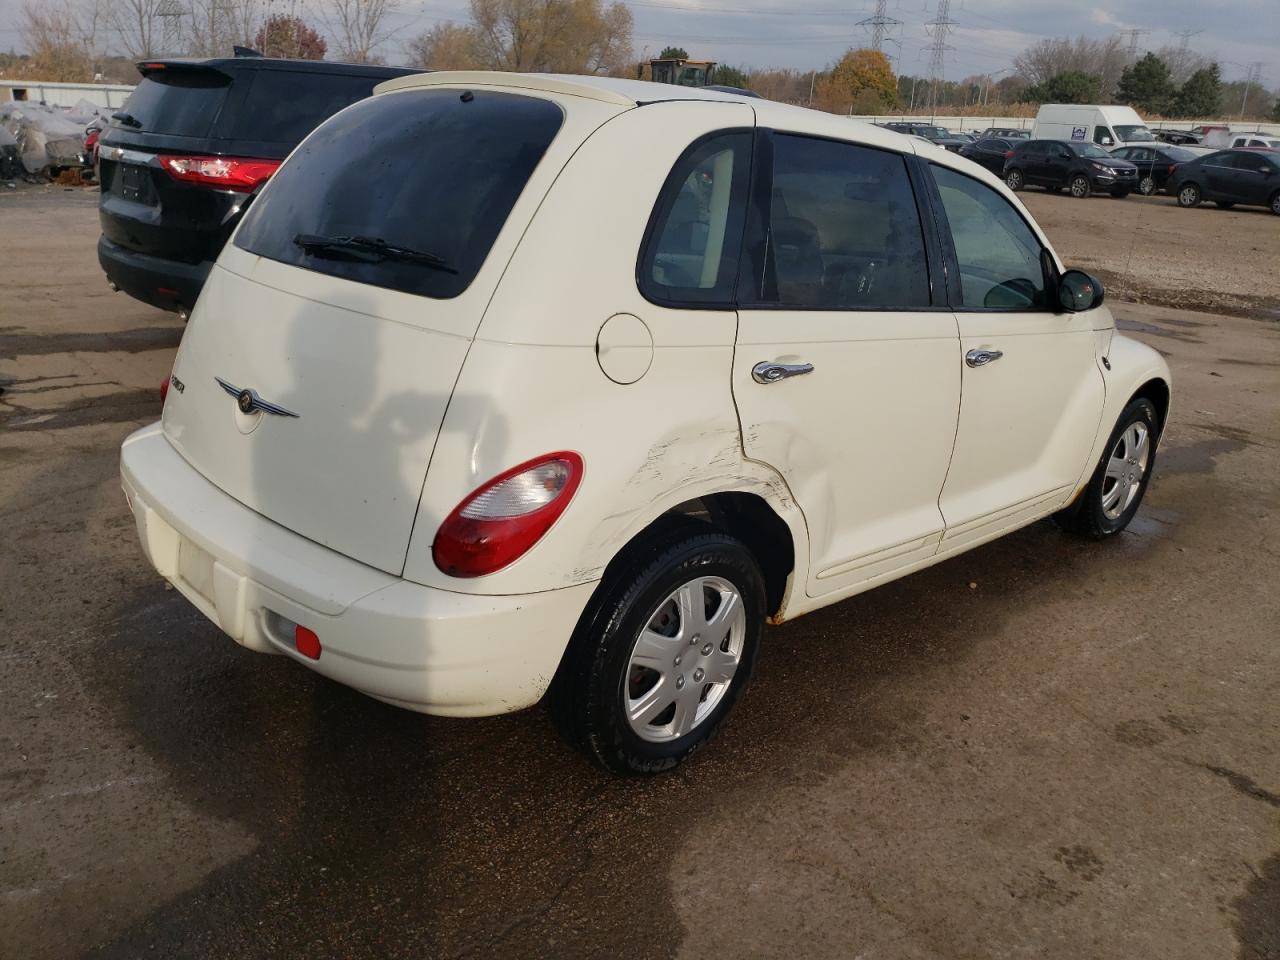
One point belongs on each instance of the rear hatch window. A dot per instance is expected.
(284, 106)
(406, 191)
(178, 103)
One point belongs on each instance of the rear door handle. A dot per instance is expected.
(980, 358)
(767, 371)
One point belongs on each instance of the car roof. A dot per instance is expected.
(224, 64)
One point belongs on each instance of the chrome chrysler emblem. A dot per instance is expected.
(248, 401)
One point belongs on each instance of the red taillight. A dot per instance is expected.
(164, 390)
(225, 173)
(1172, 167)
(501, 520)
(1008, 154)
(307, 642)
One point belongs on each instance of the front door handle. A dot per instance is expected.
(980, 358)
(767, 371)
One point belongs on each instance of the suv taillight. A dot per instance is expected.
(500, 521)
(225, 173)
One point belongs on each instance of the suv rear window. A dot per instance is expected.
(284, 105)
(179, 103)
(435, 172)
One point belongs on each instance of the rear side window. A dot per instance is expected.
(178, 103)
(998, 254)
(691, 255)
(431, 173)
(844, 232)
(284, 106)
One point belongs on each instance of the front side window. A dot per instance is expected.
(1102, 135)
(998, 254)
(691, 255)
(843, 231)
(406, 191)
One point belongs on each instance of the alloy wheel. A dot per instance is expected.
(1147, 186)
(1189, 195)
(1079, 187)
(1014, 180)
(1126, 468)
(685, 659)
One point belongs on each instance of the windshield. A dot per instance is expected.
(399, 180)
(1132, 134)
(1090, 150)
(934, 133)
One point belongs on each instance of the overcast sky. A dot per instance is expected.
(810, 34)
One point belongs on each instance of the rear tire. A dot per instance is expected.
(635, 689)
(1188, 195)
(1014, 180)
(1080, 186)
(1147, 186)
(1114, 492)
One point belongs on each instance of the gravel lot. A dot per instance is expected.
(1043, 749)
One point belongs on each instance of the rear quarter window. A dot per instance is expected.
(177, 103)
(432, 171)
(283, 106)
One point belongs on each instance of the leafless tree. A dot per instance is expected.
(359, 27)
(63, 37)
(446, 46)
(138, 27)
(1104, 59)
(559, 36)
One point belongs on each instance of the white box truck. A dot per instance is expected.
(1108, 126)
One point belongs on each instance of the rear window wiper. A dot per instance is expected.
(128, 119)
(371, 249)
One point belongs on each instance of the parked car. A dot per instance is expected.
(185, 156)
(1254, 141)
(1155, 164)
(1230, 177)
(1005, 133)
(928, 131)
(1107, 125)
(989, 152)
(1074, 165)
(1178, 137)
(451, 437)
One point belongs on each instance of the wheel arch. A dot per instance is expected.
(1157, 391)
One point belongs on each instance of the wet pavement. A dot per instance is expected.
(1043, 748)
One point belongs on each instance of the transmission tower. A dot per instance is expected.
(938, 28)
(880, 25)
(1253, 76)
(1184, 39)
(170, 13)
(1133, 36)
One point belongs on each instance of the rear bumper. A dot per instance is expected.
(167, 284)
(426, 649)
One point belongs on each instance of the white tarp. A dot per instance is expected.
(46, 136)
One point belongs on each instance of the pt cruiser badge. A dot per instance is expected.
(248, 401)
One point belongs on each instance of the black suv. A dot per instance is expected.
(931, 132)
(189, 150)
(1078, 166)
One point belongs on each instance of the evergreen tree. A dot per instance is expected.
(1070, 86)
(1146, 85)
(1200, 95)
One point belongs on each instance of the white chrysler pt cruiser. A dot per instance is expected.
(512, 386)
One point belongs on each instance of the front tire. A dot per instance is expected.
(1117, 486)
(1188, 195)
(663, 652)
(1080, 186)
(1014, 180)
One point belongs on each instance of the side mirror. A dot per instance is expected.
(1078, 291)
(1107, 141)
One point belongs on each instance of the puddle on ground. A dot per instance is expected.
(1138, 326)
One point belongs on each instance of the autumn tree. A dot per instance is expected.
(284, 36)
(553, 36)
(861, 82)
(446, 46)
